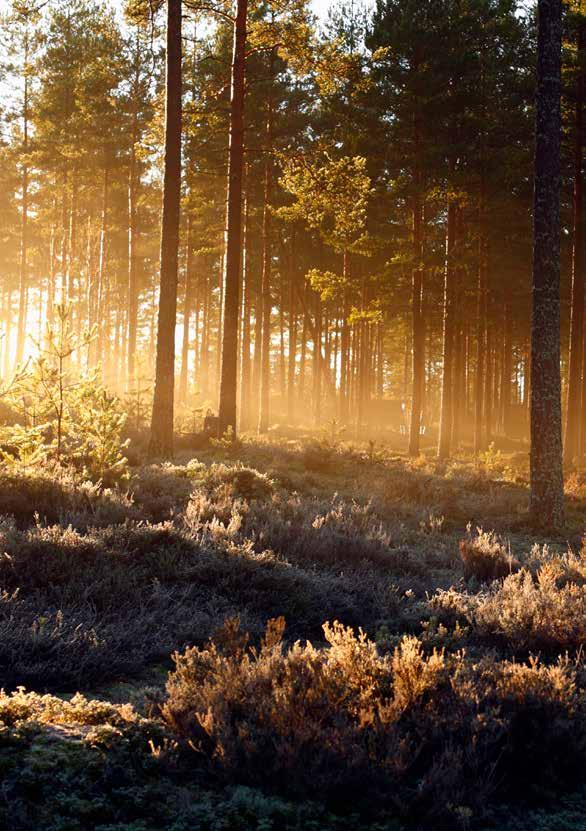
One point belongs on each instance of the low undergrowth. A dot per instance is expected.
(422, 706)
(428, 736)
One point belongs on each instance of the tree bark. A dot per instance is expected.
(161, 439)
(265, 361)
(317, 362)
(418, 330)
(345, 343)
(64, 237)
(101, 291)
(576, 388)
(547, 491)
(488, 381)
(303, 349)
(445, 431)
(481, 326)
(22, 288)
(187, 309)
(231, 292)
(133, 185)
(204, 359)
(245, 360)
(507, 367)
(292, 356)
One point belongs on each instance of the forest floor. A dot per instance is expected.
(448, 722)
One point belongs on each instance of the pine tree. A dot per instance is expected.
(547, 488)
(231, 291)
(572, 440)
(161, 439)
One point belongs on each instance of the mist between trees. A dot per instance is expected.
(357, 218)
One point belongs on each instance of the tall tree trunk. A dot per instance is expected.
(219, 329)
(317, 363)
(380, 362)
(204, 361)
(187, 309)
(7, 328)
(345, 343)
(481, 327)
(446, 413)
(52, 279)
(576, 387)
(292, 356)
(64, 237)
(102, 277)
(507, 367)
(255, 383)
(265, 362)
(406, 364)
(488, 385)
(282, 378)
(458, 402)
(22, 288)
(418, 330)
(161, 439)
(245, 361)
(303, 352)
(458, 360)
(231, 293)
(133, 185)
(547, 487)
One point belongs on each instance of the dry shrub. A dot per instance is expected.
(318, 457)
(57, 495)
(427, 735)
(528, 611)
(417, 487)
(162, 490)
(414, 675)
(568, 566)
(535, 613)
(329, 532)
(22, 706)
(238, 481)
(75, 606)
(486, 557)
(575, 485)
(220, 507)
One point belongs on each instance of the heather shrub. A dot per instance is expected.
(240, 705)
(569, 566)
(77, 602)
(219, 508)
(430, 735)
(528, 611)
(238, 481)
(318, 457)
(328, 532)
(21, 706)
(575, 485)
(486, 557)
(161, 491)
(61, 495)
(534, 612)
(417, 487)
